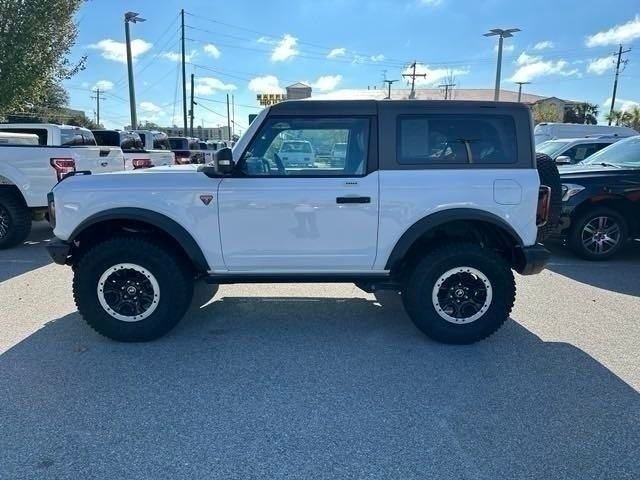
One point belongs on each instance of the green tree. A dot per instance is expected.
(619, 117)
(631, 118)
(545, 113)
(586, 113)
(36, 37)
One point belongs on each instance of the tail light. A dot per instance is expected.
(183, 158)
(63, 166)
(141, 163)
(544, 205)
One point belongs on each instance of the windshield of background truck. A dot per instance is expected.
(178, 143)
(625, 153)
(73, 137)
(552, 147)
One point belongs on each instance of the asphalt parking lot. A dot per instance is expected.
(322, 381)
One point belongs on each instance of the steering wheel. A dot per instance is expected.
(279, 164)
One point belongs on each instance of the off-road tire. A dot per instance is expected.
(549, 176)
(417, 293)
(578, 224)
(18, 216)
(174, 278)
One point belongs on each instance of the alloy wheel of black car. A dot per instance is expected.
(598, 234)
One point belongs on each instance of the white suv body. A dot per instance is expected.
(405, 192)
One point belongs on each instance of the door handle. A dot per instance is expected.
(353, 200)
(104, 164)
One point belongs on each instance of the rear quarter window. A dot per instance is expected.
(72, 137)
(456, 139)
(41, 132)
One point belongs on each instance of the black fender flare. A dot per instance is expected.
(434, 220)
(159, 221)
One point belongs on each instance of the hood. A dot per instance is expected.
(593, 171)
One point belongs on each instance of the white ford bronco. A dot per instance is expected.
(438, 200)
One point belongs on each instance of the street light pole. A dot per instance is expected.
(502, 34)
(131, 17)
(520, 89)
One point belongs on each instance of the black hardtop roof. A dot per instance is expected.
(370, 106)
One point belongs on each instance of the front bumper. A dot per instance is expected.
(59, 251)
(531, 260)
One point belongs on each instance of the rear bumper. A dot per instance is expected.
(59, 251)
(532, 260)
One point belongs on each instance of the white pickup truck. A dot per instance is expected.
(29, 171)
(136, 156)
(157, 144)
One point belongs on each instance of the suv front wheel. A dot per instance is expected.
(460, 293)
(132, 289)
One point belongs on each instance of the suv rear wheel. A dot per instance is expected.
(598, 234)
(132, 289)
(460, 293)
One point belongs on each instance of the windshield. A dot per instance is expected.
(76, 136)
(551, 147)
(178, 143)
(625, 153)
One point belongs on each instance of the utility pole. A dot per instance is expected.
(131, 17)
(191, 112)
(446, 87)
(97, 99)
(228, 120)
(520, 89)
(615, 82)
(413, 77)
(502, 34)
(184, 74)
(233, 115)
(389, 83)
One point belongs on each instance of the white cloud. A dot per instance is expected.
(267, 40)
(212, 50)
(530, 67)
(377, 58)
(624, 33)
(621, 104)
(600, 65)
(337, 52)
(177, 56)
(285, 48)
(149, 108)
(509, 47)
(434, 75)
(543, 45)
(104, 85)
(327, 83)
(211, 85)
(117, 51)
(265, 84)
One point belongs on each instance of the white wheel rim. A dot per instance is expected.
(460, 297)
(151, 290)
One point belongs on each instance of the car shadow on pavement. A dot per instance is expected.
(28, 256)
(302, 387)
(620, 274)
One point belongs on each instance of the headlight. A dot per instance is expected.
(569, 190)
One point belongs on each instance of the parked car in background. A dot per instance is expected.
(551, 131)
(158, 146)
(297, 153)
(207, 151)
(568, 151)
(601, 201)
(338, 154)
(33, 158)
(135, 156)
(186, 150)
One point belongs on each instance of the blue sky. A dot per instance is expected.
(245, 47)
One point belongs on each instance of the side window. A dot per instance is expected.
(442, 140)
(580, 152)
(41, 132)
(308, 146)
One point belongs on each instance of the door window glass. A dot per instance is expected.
(580, 152)
(308, 147)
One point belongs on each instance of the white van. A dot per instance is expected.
(551, 131)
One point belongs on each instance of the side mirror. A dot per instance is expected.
(563, 160)
(224, 161)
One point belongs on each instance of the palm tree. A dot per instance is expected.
(633, 118)
(586, 113)
(616, 117)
